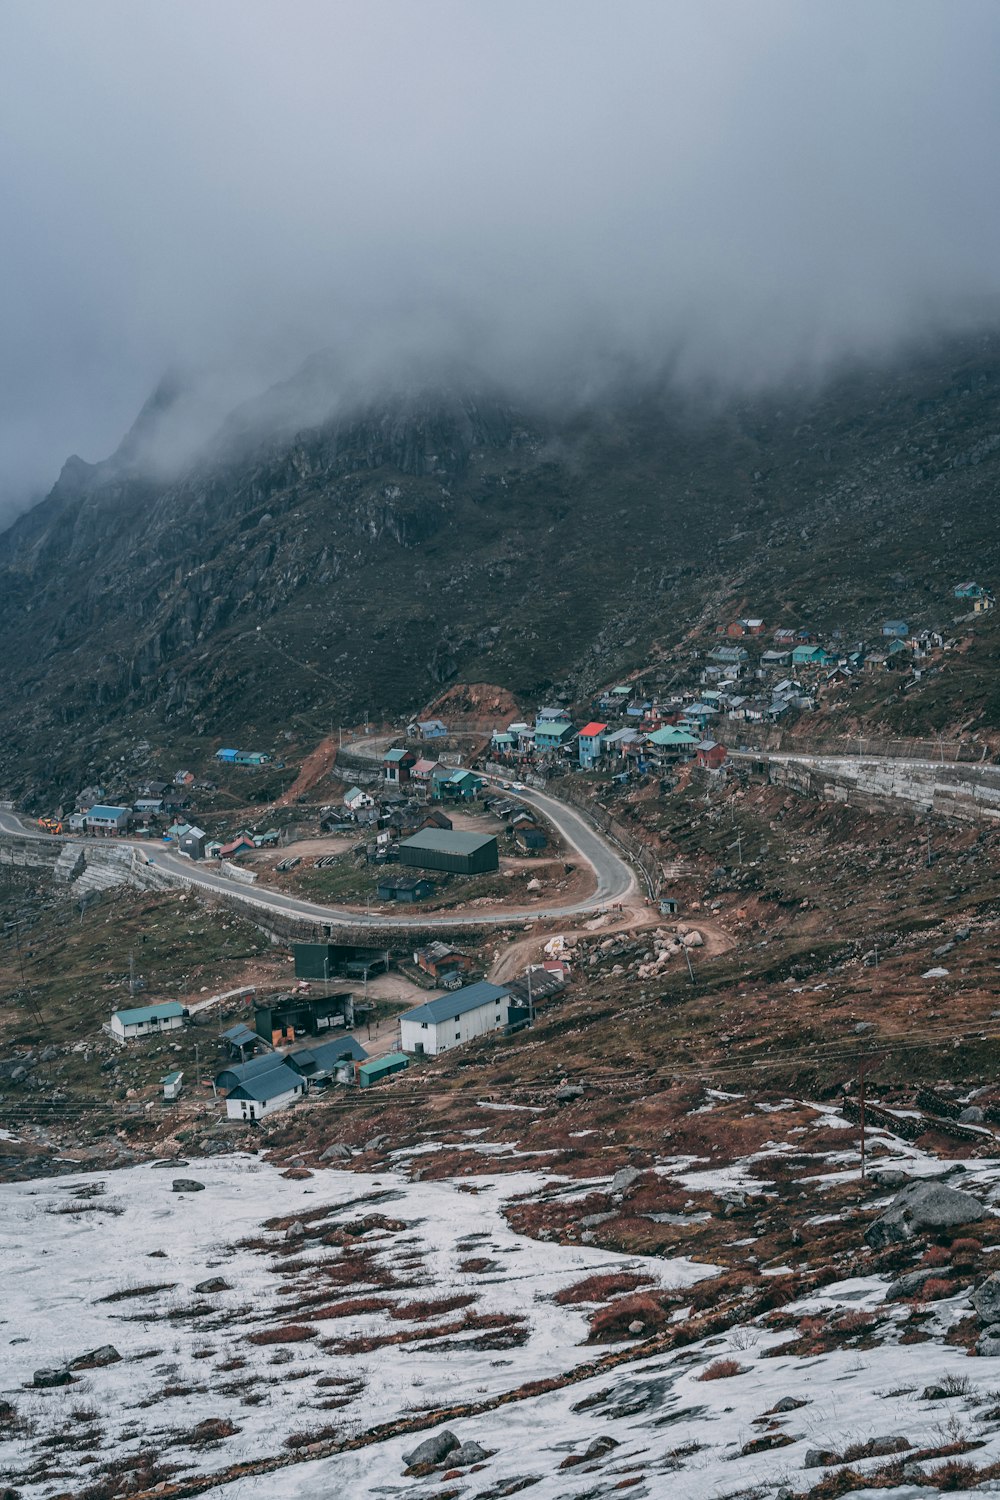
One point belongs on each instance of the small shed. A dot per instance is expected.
(193, 843)
(405, 888)
(172, 1085)
(380, 1068)
(669, 906)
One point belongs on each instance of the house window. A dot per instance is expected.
(458, 1036)
(423, 1026)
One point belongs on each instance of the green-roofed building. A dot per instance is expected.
(457, 853)
(147, 1020)
(380, 1068)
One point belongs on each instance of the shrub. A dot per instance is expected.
(721, 1369)
(351, 1307)
(935, 1287)
(855, 1322)
(936, 1255)
(416, 1311)
(601, 1288)
(955, 1475)
(296, 1440)
(965, 1252)
(291, 1333)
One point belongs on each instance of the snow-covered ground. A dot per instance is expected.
(188, 1356)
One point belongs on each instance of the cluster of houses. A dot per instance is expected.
(653, 735)
(750, 674)
(270, 1065)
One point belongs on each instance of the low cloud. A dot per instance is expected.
(559, 195)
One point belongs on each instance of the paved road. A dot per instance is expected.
(615, 879)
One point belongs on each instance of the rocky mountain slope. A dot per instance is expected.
(325, 558)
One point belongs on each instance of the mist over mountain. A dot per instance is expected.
(565, 198)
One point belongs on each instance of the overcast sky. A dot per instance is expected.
(750, 188)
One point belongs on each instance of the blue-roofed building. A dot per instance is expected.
(472, 1011)
(147, 1020)
(101, 819)
(228, 757)
(264, 1092)
(897, 628)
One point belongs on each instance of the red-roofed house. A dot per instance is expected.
(591, 744)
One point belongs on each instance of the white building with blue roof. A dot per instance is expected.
(472, 1011)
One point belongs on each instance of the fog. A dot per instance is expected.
(555, 191)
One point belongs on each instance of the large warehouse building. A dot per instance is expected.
(440, 1024)
(458, 853)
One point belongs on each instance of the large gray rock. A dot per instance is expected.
(336, 1153)
(623, 1179)
(988, 1343)
(433, 1449)
(923, 1205)
(187, 1185)
(56, 1375)
(467, 1453)
(94, 1359)
(909, 1285)
(972, 1115)
(213, 1284)
(986, 1299)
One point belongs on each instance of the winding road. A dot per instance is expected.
(616, 881)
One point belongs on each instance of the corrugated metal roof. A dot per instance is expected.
(387, 1064)
(446, 841)
(278, 1080)
(108, 812)
(141, 1013)
(589, 731)
(457, 1003)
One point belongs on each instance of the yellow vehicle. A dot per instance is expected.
(51, 825)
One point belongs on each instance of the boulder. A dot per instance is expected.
(187, 1185)
(94, 1359)
(600, 1446)
(972, 1115)
(295, 1231)
(923, 1205)
(213, 1284)
(623, 1179)
(986, 1299)
(988, 1343)
(336, 1153)
(818, 1458)
(467, 1453)
(789, 1403)
(55, 1375)
(433, 1449)
(909, 1285)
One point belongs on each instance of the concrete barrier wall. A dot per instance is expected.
(950, 791)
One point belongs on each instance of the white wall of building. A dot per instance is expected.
(256, 1109)
(434, 1038)
(145, 1028)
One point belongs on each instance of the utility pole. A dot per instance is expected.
(930, 858)
(861, 1079)
(531, 1003)
(687, 955)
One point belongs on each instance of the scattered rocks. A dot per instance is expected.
(187, 1185)
(56, 1375)
(768, 1440)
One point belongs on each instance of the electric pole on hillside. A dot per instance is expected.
(865, 1062)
